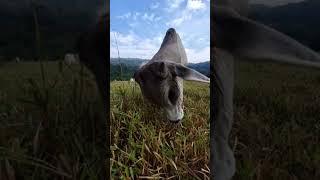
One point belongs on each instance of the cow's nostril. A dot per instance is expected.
(175, 121)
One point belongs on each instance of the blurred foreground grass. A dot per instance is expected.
(48, 125)
(276, 132)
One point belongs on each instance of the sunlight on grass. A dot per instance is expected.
(145, 145)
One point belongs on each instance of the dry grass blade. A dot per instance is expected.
(10, 171)
(36, 139)
(174, 164)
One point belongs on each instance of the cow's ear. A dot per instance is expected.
(190, 74)
(250, 40)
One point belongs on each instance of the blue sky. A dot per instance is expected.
(140, 25)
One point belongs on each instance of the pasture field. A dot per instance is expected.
(47, 128)
(276, 131)
(47, 122)
(145, 145)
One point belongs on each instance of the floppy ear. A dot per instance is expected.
(190, 74)
(251, 40)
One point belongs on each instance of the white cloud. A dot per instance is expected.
(190, 19)
(185, 15)
(193, 25)
(135, 15)
(195, 5)
(133, 46)
(133, 24)
(125, 16)
(155, 5)
(198, 55)
(178, 21)
(121, 38)
(148, 17)
(157, 18)
(174, 4)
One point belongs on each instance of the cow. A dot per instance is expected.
(161, 78)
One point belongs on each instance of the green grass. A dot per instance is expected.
(145, 145)
(47, 124)
(47, 130)
(276, 132)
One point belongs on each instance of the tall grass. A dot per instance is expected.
(67, 146)
(145, 146)
(120, 65)
(49, 120)
(277, 122)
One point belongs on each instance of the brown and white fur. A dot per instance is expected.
(161, 79)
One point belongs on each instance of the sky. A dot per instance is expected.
(139, 26)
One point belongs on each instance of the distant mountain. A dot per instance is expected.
(130, 65)
(128, 61)
(298, 20)
(203, 67)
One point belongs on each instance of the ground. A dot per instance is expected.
(47, 125)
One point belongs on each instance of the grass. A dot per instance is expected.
(48, 128)
(145, 146)
(277, 122)
(48, 131)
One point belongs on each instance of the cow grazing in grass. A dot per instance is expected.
(161, 79)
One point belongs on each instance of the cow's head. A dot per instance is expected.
(161, 80)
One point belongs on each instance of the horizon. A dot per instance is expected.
(133, 58)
